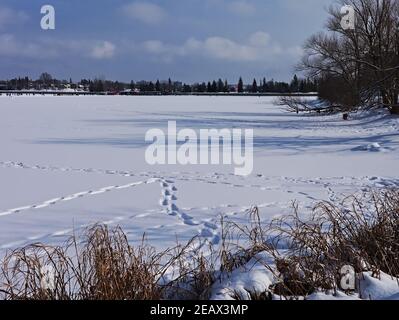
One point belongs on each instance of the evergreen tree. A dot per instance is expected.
(240, 87)
(254, 86)
(209, 87)
(99, 86)
(220, 86)
(151, 87)
(294, 84)
(264, 86)
(214, 86)
(226, 86)
(271, 86)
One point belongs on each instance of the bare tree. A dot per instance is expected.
(357, 67)
(46, 79)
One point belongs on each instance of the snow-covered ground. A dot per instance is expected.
(68, 162)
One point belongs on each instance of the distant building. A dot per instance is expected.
(233, 88)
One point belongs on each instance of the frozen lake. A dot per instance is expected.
(68, 162)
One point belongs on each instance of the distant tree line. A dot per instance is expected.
(47, 82)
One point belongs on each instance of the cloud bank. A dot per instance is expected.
(258, 47)
(145, 12)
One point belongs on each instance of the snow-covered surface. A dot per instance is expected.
(68, 162)
(379, 287)
(256, 277)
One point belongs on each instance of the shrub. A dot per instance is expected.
(362, 232)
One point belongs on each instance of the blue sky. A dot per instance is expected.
(188, 40)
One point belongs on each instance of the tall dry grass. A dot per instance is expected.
(361, 231)
(103, 266)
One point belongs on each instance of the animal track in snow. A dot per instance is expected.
(168, 201)
(74, 196)
(169, 191)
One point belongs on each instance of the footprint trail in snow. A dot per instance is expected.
(74, 196)
(168, 201)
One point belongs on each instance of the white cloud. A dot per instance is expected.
(8, 44)
(147, 13)
(305, 5)
(259, 47)
(46, 48)
(259, 39)
(104, 50)
(154, 46)
(11, 17)
(11, 46)
(222, 48)
(242, 8)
